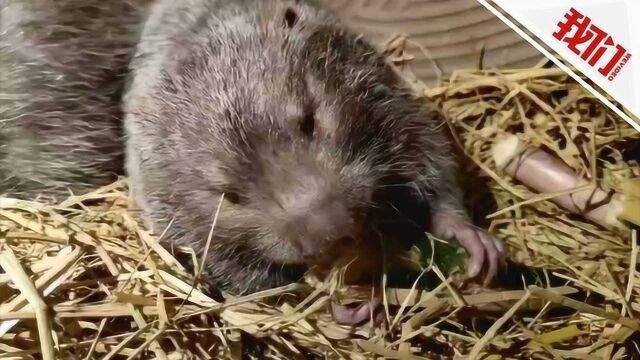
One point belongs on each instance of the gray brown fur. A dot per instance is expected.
(62, 70)
(222, 100)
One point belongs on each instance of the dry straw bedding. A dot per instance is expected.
(83, 279)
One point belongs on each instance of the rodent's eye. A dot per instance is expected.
(308, 125)
(290, 18)
(233, 197)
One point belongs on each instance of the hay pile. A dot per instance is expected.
(83, 280)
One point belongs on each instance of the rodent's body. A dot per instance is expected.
(311, 137)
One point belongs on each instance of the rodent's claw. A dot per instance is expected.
(493, 253)
(367, 311)
(484, 250)
(470, 240)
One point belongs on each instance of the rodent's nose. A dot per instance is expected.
(322, 228)
(328, 221)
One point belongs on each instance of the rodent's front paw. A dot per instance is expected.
(484, 250)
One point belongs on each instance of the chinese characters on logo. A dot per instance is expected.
(595, 44)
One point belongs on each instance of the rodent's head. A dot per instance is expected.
(296, 121)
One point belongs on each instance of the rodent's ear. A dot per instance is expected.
(290, 17)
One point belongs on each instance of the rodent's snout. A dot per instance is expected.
(323, 229)
(318, 224)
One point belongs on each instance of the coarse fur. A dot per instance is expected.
(301, 124)
(62, 69)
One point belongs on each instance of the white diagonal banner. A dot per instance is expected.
(599, 38)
